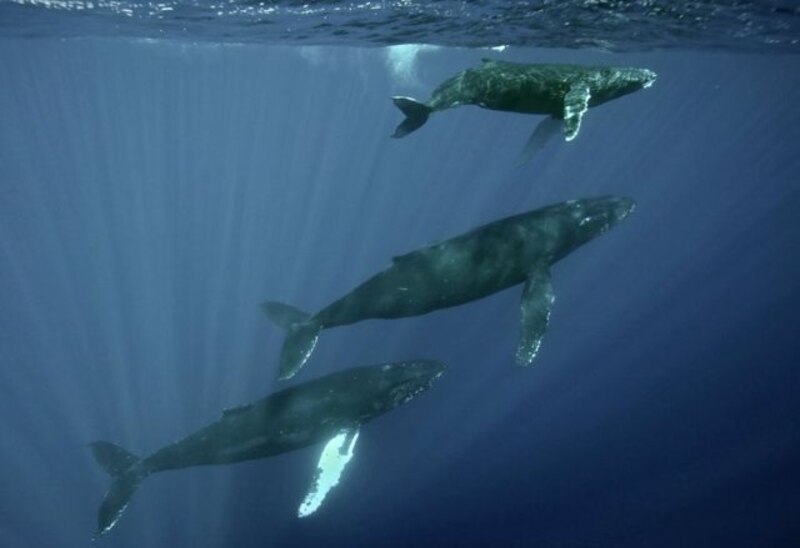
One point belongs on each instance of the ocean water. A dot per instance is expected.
(166, 167)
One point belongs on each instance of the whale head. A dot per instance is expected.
(595, 216)
(585, 219)
(638, 78)
(360, 394)
(619, 81)
(400, 382)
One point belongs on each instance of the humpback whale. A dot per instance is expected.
(564, 92)
(329, 408)
(511, 251)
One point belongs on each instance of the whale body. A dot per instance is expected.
(512, 251)
(563, 92)
(331, 408)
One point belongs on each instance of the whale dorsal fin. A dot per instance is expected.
(231, 411)
(411, 255)
(402, 258)
(332, 462)
(576, 102)
(537, 302)
(488, 62)
(417, 254)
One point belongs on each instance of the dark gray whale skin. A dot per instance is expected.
(290, 419)
(488, 259)
(535, 88)
(564, 92)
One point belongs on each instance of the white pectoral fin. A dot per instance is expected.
(576, 102)
(332, 462)
(537, 302)
(542, 134)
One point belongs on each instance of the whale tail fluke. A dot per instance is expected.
(126, 475)
(284, 315)
(416, 115)
(301, 337)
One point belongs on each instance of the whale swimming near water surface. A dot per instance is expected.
(511, 251)
(331, 408)
(564, 92)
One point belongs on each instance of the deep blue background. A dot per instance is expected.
(153, 193)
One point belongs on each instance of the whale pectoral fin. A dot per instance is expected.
(332, 462)
(576, 102)
(542, 134)
(537, 302)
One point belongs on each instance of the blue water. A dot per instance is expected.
(615, 25)
(153, 192)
